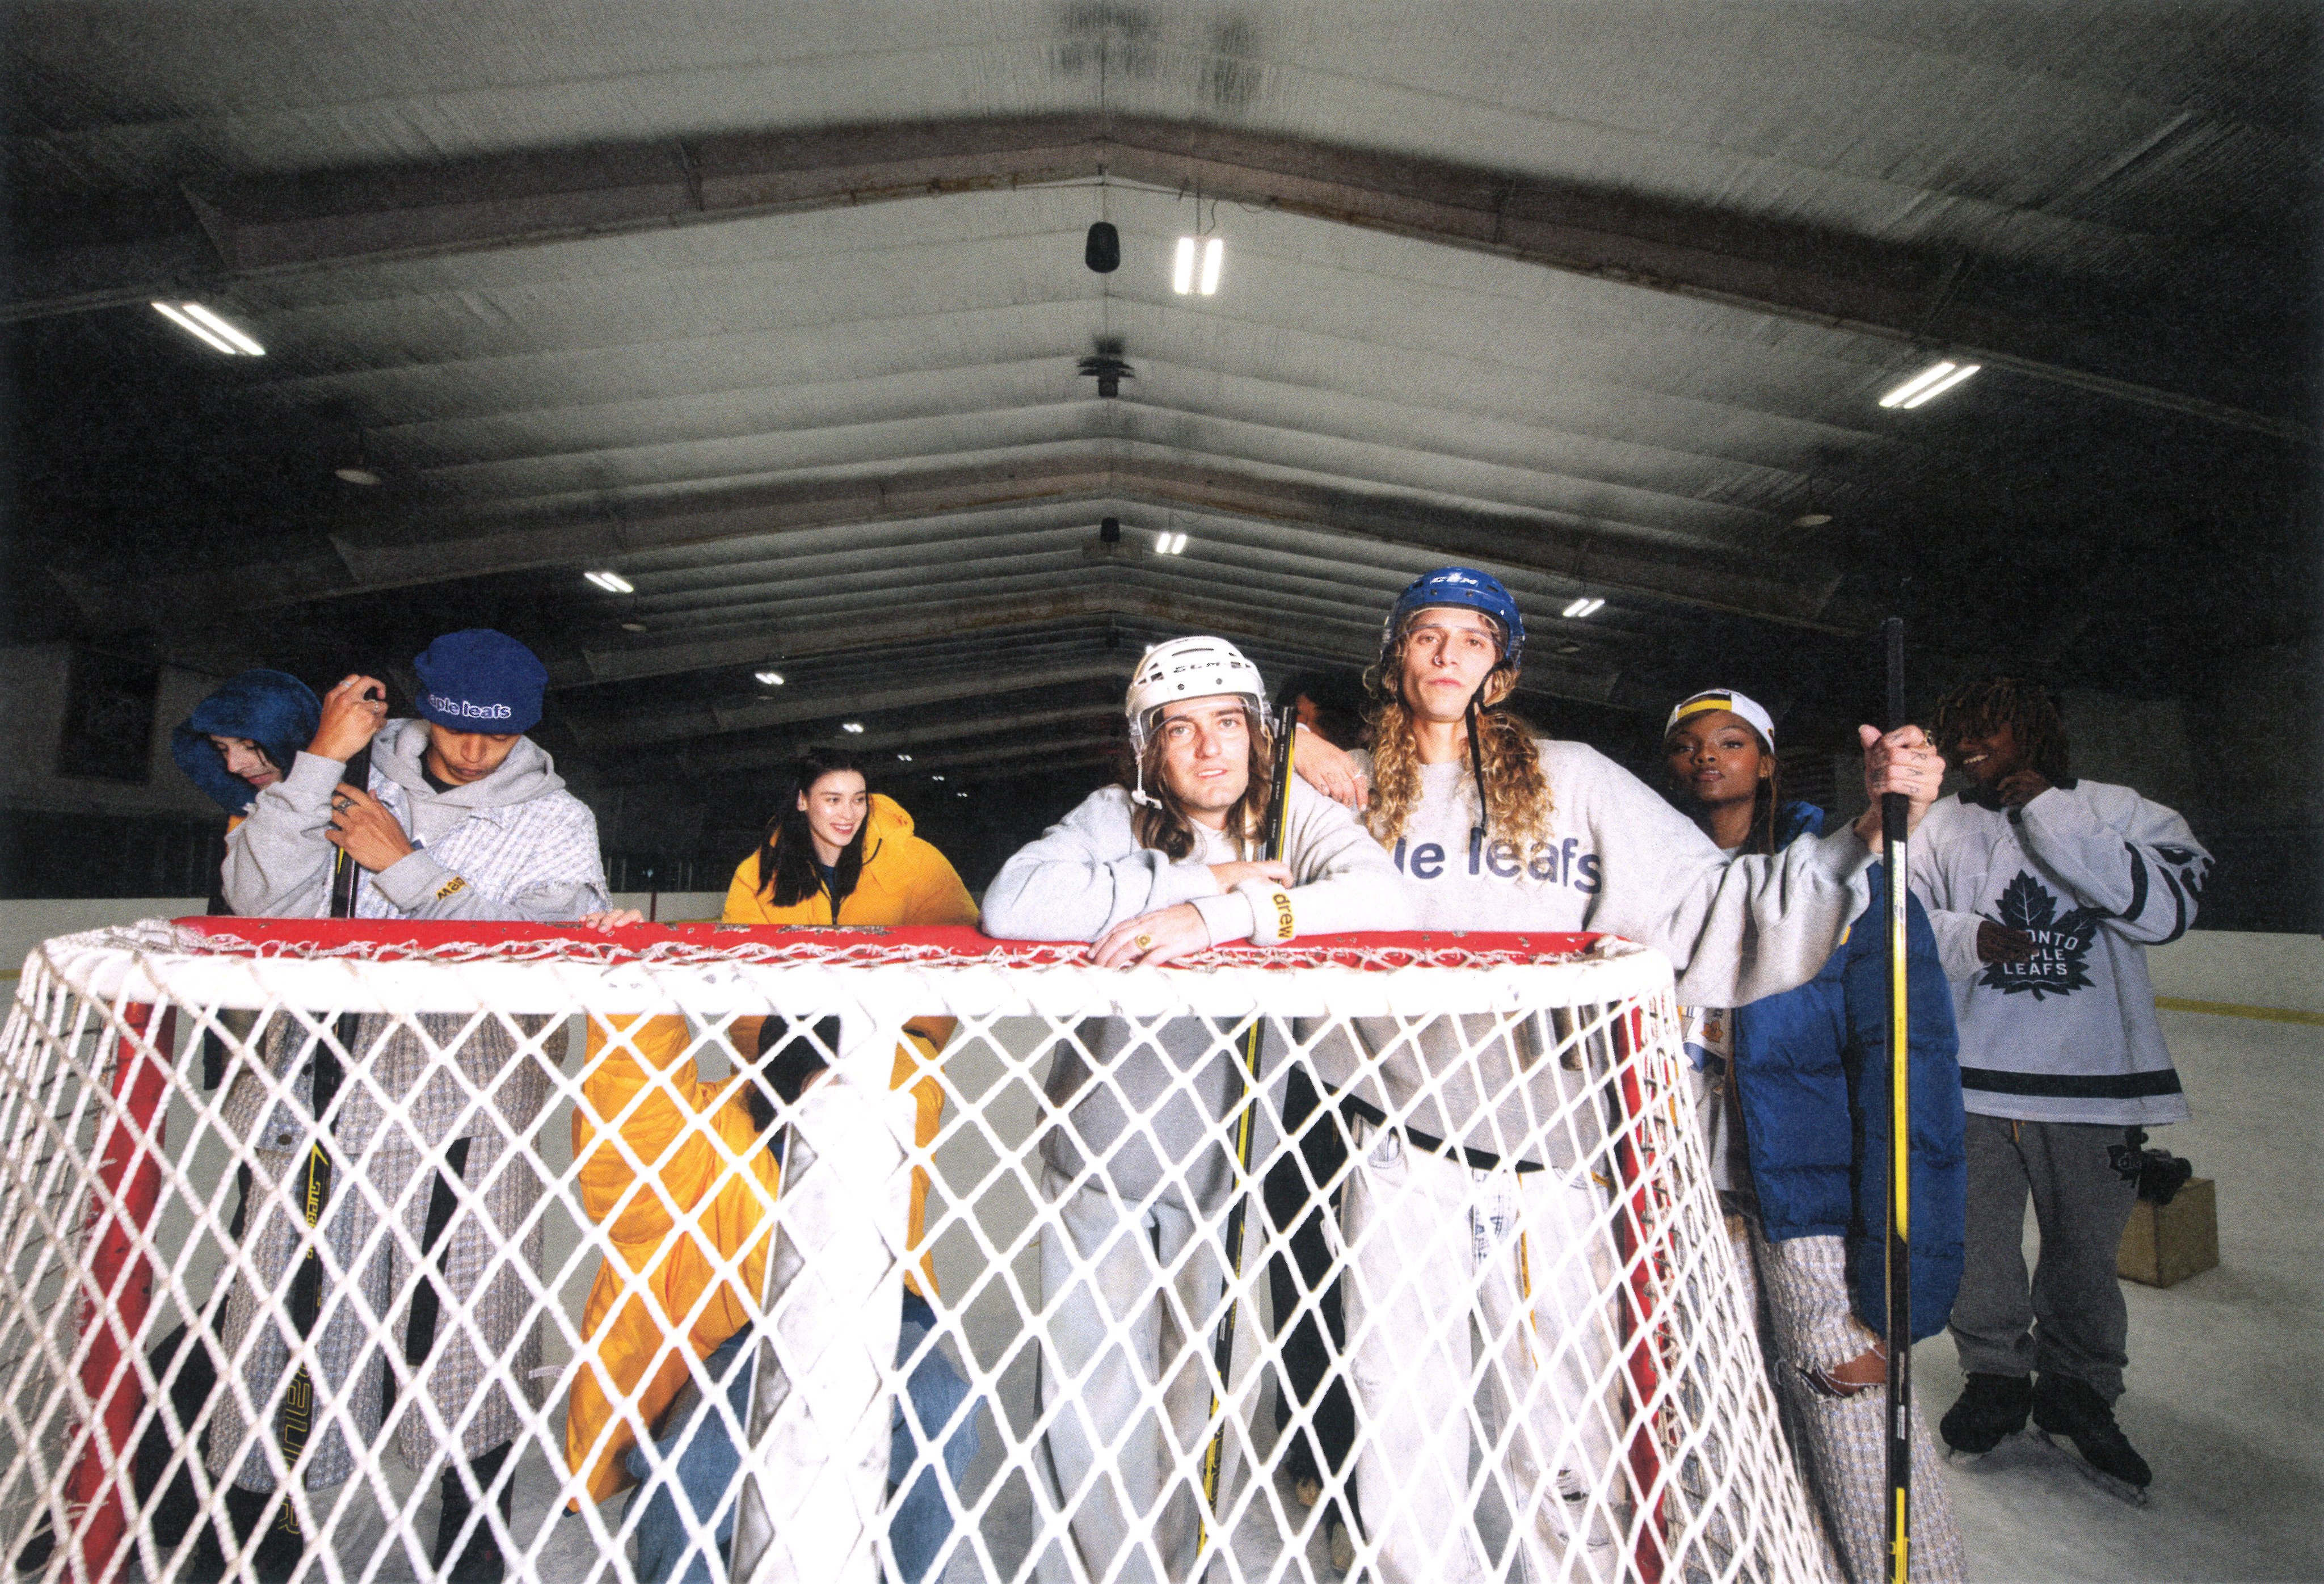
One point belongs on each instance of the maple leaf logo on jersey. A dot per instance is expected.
(2062, 942)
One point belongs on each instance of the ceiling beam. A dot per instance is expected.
(399, 555)
(636, 729)
(1904, 294)
(1352, 643)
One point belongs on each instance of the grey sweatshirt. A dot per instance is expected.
(1616, 858)
(515, 845)
(1169, 1083)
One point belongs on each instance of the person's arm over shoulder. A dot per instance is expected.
(1343, 880)
(564, 874)
(1736, 929)
(2132, 861)
(1085, 875)
(278, 861)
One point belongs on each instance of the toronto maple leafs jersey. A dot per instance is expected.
(2095, 873)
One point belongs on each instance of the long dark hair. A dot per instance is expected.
(787, 869)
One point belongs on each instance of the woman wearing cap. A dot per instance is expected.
(1462, 1207)
(1134, 1177)
(1794, 1092)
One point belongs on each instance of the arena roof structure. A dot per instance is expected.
(779, 314)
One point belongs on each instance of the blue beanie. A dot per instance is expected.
(272, 709)
(480, 680)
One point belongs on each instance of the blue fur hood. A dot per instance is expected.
(272, 709)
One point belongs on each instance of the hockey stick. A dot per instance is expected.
(306, 1304)
(1278, 828)
(1894, 822)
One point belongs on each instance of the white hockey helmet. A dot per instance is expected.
(1188, 668)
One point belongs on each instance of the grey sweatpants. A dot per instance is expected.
(2070, 1320)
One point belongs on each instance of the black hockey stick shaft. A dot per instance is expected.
(1279, 830)
(306, 1302)
(1896, 823)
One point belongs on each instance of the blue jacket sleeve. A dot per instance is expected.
(1940, 1177)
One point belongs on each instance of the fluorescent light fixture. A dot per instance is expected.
(935, 778)
(958, 794)
(1584, 606)
(1941, 387)
(1169, 544)
(633, 627)
(904, 758)
(612, 582)
(363, 476)
(856, 726)
(1214, 255)
(773, 678)
(242, 342)
(1928, 385)
(215, 342)
(1182, 272)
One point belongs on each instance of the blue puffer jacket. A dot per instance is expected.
(1812, 1074)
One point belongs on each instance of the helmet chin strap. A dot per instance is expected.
(1477, 768)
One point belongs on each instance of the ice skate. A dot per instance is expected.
(2064, 1407)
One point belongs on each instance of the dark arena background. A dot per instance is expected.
(747, 361)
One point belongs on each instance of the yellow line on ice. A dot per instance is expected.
(2232, 1009)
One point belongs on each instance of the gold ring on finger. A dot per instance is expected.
(1145, 942)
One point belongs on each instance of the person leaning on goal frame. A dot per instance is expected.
(1150, 873)
(464, 817)
(1493, 827)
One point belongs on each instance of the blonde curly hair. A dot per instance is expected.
(1517, 802)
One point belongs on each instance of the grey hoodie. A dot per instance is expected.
(1617, 858)
(515, 845)
(1088, 874)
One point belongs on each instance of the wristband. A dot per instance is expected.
(1270, 911)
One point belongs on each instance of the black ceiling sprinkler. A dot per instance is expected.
(1108, 368)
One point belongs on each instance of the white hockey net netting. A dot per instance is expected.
(535, 1283)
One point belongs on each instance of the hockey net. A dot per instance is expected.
(1485, 1312)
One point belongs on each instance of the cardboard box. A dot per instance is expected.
(2166, 1243)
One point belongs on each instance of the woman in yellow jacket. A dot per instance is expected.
(837, 855)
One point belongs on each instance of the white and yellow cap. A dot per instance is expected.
(1731, 701)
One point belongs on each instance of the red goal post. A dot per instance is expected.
(109, 1231)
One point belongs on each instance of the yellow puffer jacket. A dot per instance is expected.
(687, 1135)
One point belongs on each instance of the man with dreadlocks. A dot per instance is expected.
(2046, 892)
(1467, 1202)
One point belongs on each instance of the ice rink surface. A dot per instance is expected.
(2225, 1397)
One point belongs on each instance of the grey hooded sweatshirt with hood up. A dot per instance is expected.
(515, 845)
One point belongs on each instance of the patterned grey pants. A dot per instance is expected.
(423, 1085)
(1812, 1330)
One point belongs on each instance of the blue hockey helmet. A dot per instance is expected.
(1462, 588)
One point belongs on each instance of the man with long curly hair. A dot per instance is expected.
(2044, 893)
(1472, 1198)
